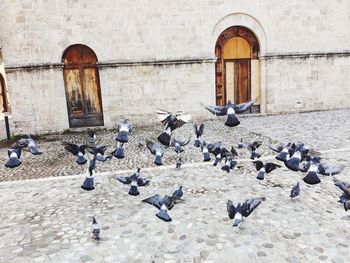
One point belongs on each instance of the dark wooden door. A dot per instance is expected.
(242, 81)
(3, 96)
(82, 87)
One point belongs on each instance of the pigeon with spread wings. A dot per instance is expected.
(199, 133)
(171, 122)
(134, 180)
(157, 150)
(230, 110)
(14, 154)
(264, 168)
(77, 150)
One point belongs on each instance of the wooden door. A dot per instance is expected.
(3, 96)
(242, 83)
(82, 87)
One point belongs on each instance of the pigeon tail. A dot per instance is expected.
(133, 190)
(206, 157)
(81, 160)
(197, 143)
(88, 184)
(261, 176)
(311, 178)
(122, 136)
(282, 156)
(164, 138)
(232, 120)
(119, 153)
(293, 164)
(13, 162)
(163, 214)
(158, 160)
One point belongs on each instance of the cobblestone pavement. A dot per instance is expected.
(48, 219)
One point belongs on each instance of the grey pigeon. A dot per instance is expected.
(157, 150)
(252, 147)
(91, 137)
(163, 204)
(347, 205)
(178, 193)
(264, 168)
(171, 122)
(134, 180)
(98, 152)
(14, 154)
(119, 152)
(95, 229)
(77, 150)
(89, 183)
(345, 188)
(230, 162)
(242, 210)
(199, 133)
(327, 169)
(205, 151)
(295, 191)
(230, 110)
(124, 128)
(31, 144)
(311, 175)
(179, 162)
(177, 144)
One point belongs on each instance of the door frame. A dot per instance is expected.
(236, 75)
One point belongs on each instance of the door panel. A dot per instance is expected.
(92, 101)
(242, 84)
(229, 81)
(74, 93)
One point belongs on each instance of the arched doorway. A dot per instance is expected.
(3, 96)
(82, 86)
(237, 66)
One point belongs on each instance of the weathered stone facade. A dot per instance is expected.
(161, 53)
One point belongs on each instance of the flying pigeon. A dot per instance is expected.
(119, 151)
(327, 169)
(295, 191)
(163, 204)
(311, 176)
(199, 133)
(177, 144)
(124, 128)
(345, 188)
(14, 154)
(242, 210)
(134, 180)
(95, 229)
(98, 152)
(230, 163)
(252, 147)
(31, 144)
(92, 137)
(88, 183)
(264, 168)
(77, 150)
(171, 122)
(230, 110)
(157, 150)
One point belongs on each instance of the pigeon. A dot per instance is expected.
(264, 168)
(14, 154)
(92, 137)
(293, 162)
(230, 162)
(31, 144)
(179, 162)
(157, 150)
(171, 122)
(326, 169)
(163, 204)
(295, 191)
(134, 180)
(99, 152)
(311, 176)
(205, 151)
(346, 205)
(199, 133)
(285, 152)
(252, 147)
(77, 150)
(124, 128)
(95, 229)
(345, 187)
(88, 183)
(242, 210)
(177, 145)
(178, 193)
(119, 151)
(230, 110)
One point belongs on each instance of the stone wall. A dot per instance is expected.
(159, 40)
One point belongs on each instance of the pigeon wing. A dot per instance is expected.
(278, 148)
(151, 146)
(71, 147)
(169, 201)
(124, 179)
(271, 166)
(250, 204)
(231, 209)
(142, 181)
(258, 165)
(240, 108)
(154, 200)
(216, 110)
